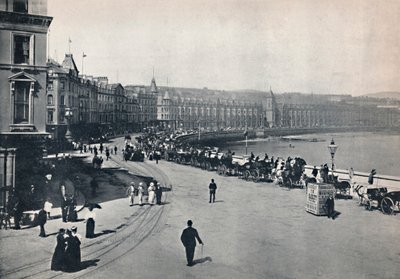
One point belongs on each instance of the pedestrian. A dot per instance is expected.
(41, 220)
(140, 193)
(371, 177)
(130, 192)
(315, 171)
(101, 148)
(351, 175)
(213, 189)
(90, 223)
(72, 214)
(72, 251)
(107, 154)
(95, 150)
(158, 193)
(57, 261)
(188, 238)
(78, 239)
(330, 207)
(115, 150)
(94, 185)
(151, 191)
(15, 210)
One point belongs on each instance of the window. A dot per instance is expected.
(50, 99)
(62, 85)
(49, 116)
(22, 49)
(21, 102)
(20, 6)
(62, 100)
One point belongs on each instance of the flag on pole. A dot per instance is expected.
(83, 54)
(69, 40)
(245, 133)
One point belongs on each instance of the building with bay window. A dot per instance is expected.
(23, 43)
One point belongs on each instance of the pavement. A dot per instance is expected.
(253, 230)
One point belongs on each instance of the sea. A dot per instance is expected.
(363, 151)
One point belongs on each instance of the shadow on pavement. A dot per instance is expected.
(335, 215)
(202, 260)
(89, 263)
(103, 233)
(219, 201)
(50, 234)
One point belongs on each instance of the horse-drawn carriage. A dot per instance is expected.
(291, 174)
(182, 157)
(378, 198)
(342, 187)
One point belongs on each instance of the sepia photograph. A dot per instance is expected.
(200, 139)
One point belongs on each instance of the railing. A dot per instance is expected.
(380, 180)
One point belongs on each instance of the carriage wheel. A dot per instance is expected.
(255, 174)
(203, 165)
(224, 170)
(208, 166)
(247, 175)
(177, 160)
(387, 206)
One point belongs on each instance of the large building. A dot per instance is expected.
(189, 110)
(23, 43)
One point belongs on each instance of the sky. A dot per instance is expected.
(319, 46)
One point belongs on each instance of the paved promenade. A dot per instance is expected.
(253, 230)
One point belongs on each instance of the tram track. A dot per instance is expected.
(133, 233)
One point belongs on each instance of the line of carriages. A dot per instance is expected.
(287, 173)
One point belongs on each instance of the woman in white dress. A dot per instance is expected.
(152, 193)
(130, 192)
(140, 193)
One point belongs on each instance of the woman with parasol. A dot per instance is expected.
(90, 219)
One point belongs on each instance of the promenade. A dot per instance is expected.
(253, 230)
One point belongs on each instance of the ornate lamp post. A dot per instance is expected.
(68, 116)
(332, 149)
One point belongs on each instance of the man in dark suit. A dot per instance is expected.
(213, 189)
(330, 207)
(188, 239)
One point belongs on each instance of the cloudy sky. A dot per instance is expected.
(320, 46)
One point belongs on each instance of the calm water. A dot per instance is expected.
(362, 151)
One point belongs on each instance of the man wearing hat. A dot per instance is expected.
(371, 177)
(188, 238)
(158, 193)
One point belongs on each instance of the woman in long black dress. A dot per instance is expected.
(57, 261)
(72, 261)
(90, 216)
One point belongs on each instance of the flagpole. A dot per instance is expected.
(83, 57)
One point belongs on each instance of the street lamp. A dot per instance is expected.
(68, 116)
(332, 149)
